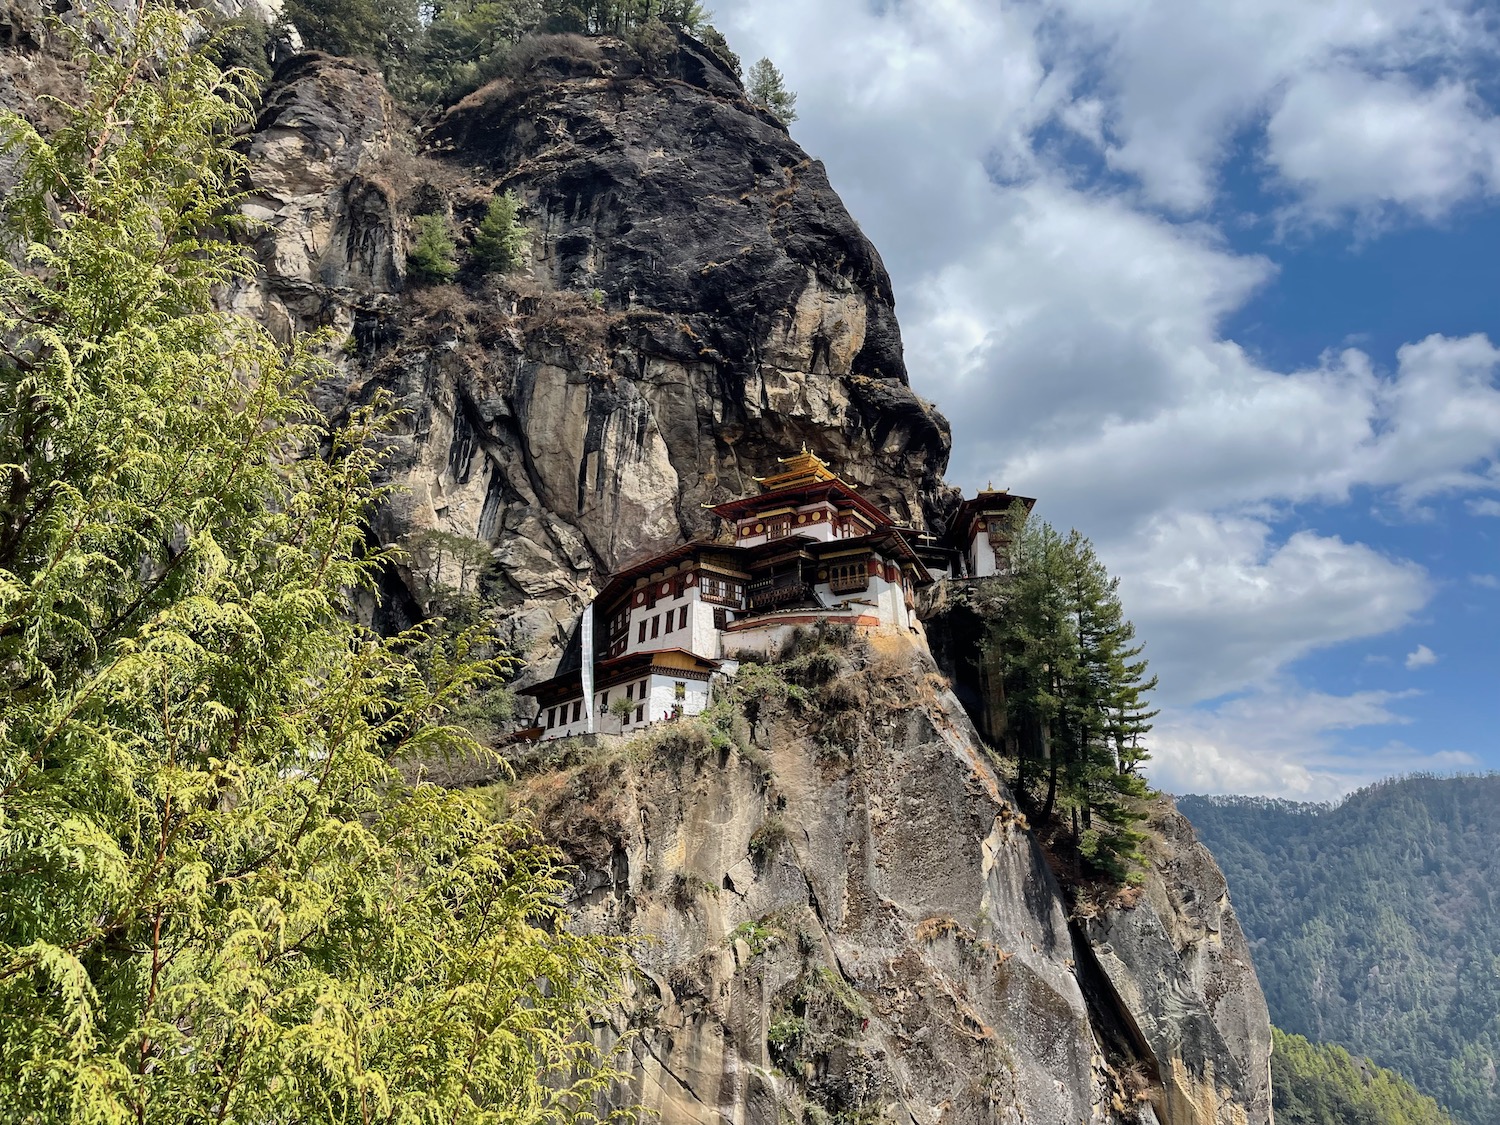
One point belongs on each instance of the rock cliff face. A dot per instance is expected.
(846, 917)
(1180, 968)
(696, 303)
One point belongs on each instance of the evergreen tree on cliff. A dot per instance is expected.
(219, 901)
(1076, 691)
(767, 88)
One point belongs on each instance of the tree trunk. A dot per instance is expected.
(1051, 801)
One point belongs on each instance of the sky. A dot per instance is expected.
(1216, 282)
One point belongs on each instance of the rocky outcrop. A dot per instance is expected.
(696, 303)
(1180, 967)
(845, 915)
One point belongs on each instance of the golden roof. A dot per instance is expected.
(801, 468)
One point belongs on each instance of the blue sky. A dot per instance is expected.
(1217, 283)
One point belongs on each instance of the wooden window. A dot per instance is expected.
(640, 712)
(682, 618)
(677, 710)
(779, 528)
(679, 690)
(721, 618)
(577, 710)
(642, 692)
(641, 636)
(848, 578)
(604, 701)
(629, 691)
(551, 717)
(655, 626)
(671, 617)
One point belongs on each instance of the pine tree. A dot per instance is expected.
(1075, 691)
(382, 30)
(219, 900)
(766, 87)
(500, 239)
(464, 44)
(433, 256)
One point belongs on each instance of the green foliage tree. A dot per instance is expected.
(1321, 1084)
(433, 258)
(1376, 923)
(243, 44)
(622, 709)
(766, 87)
(463, 45)
(383, 30)
(714, 40)
(219, 901)
(500, 239)
(436, 51)
(1075, 688)
(615, 17)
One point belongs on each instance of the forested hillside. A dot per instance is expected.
(1376, 924)
(1321, 1084)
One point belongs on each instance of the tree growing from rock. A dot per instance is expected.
(615, 17)
(1076, 690)
(219, 900)
(433, 258)
(500, 239)
(382, 30)
(767, 88)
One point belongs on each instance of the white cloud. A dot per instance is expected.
(1420, 657)
(1222, 606)
(1485, 507)
(1284, 741)
(1180, 81)
(1487, 581)
(1226, 432)
(1344, 138)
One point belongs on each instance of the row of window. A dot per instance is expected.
(779, 527)
(558, 716)
(722, 589)
(679, 616)
(849, 577)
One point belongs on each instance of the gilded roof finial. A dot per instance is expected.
(801, 468)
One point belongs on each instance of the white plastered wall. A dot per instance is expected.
(662, 696)
(981, 555)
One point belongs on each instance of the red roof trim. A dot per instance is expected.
(836, 489)
(606, 668)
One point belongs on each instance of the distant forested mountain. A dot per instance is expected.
(1321, 1084)
(1376, 923)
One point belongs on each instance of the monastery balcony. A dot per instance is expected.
(771, 592)
(849, 583)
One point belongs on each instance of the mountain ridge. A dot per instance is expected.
(1376, 925)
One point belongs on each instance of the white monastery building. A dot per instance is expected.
(806, 548)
